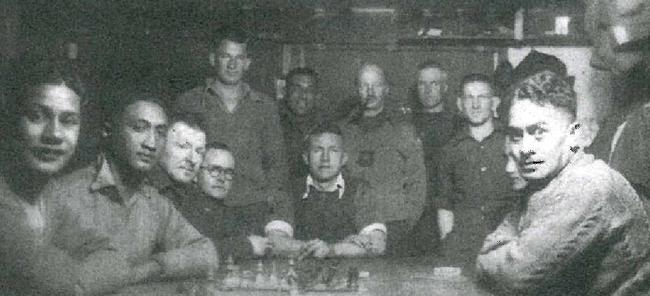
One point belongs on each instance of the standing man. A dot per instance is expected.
(384, 150)
(435, 127)
(113, 198)
(583, 229)
(474, 192)
(299, 114)
(621, 36)
(242, 118)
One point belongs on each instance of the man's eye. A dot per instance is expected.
(71, 119)
(184, 145)
(539, 133)
(34, 114)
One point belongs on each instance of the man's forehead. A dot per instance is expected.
(302, 80)
(327, 139)
(146, 111)
(232, 47)
(431, 73)
(220, 157)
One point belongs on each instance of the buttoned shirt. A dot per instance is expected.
(583, 233)
(144, 226)
(253, 133)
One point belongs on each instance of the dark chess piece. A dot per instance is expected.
(353, 278)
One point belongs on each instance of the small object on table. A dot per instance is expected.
(353, 278)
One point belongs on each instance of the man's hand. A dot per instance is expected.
(317, 248)
(260, 244)
(91, 243)
(445, 222)
(284, 245)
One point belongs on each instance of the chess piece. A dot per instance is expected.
(232, 279)
(273, 278)
(292, 278)
(260, 280)
(353, 278)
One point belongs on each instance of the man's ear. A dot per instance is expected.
(444, 87)
(575, 136)
(344, 158)
(247, 63)
(212, 59)
(495, 105)
(305, 158)
(459, 104)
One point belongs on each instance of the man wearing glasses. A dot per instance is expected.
(232, 229)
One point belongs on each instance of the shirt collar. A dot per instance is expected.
(464, 133)
(106, 179)
(159, 178)
(247, 91)
(339, 185)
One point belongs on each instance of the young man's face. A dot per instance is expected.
(517, 181)
(431, 85)
(232, 62)
(478, 104)
(540, 138)
(49, 128)
(372, 90)
(217, 173)
(301, 91)
(183, 152)
(140, 135)
(325, 157)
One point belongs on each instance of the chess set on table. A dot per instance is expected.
(306, 276)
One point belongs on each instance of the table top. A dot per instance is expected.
(387, 276)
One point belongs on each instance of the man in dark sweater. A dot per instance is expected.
(232, 230)
(326, 209)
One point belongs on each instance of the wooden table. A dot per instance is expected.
(388, 276)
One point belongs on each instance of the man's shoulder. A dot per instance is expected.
(192, 100)
(77, 179)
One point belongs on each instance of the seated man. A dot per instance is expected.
(113, 198)
(326, 208)
(583, 229)
(231, 230)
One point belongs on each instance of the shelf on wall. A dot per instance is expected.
(496, 41)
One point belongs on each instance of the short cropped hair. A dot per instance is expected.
(430, 64)
(218, 146)
(115, 105)
(231, 33)
(547, 87)
(324, 127)
(306, 71)
(191, 119)
(476, 77)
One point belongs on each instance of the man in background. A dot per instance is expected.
(242, 118)
(474, 192)
(383, 149)
(435, 126)
(299, 114)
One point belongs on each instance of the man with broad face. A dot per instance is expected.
(473, 194)
(383, 149)
(113, 198)
(328, 211)
(583, 229)
(298, 115)
(242, 118)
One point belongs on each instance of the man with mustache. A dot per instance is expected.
(473, 194)
(583, 229)
(383, 149)
(234, 231)
(114, 198)
(242, 118)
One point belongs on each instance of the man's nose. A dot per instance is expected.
(476, 102)
(150, 140)
(193, 157)
(53, 132)
(232, 63)
(325, 157)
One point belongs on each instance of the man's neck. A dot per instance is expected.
(435, 109)
(480, 132)
(327, 185)
(126, 180)
(230, 94)
(27, 183)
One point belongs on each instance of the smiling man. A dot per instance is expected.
(114, 199)
(583, 229)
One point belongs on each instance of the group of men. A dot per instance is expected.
(225, 172)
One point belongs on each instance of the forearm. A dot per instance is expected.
(193, 259)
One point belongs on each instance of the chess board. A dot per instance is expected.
(306, 277)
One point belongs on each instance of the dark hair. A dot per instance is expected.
(476, 77)
(116, 103)
(191, 119)
(231, 33)
(431, 64)
(547, 87)
(218, 145)
(301, 71)
(324, 127)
